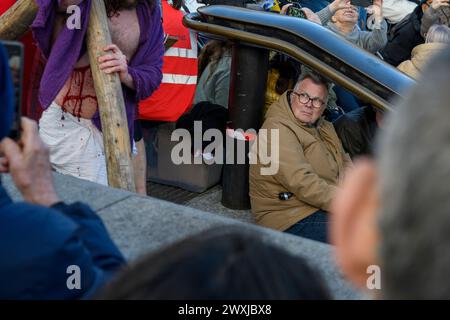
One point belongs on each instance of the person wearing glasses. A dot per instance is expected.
(311, 160)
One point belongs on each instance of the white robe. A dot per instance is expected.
(76, 145)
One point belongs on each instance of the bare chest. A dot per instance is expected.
(78, 94)
(124, 28)
(125, 31)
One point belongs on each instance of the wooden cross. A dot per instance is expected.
(16, 22)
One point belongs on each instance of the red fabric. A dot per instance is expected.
(34, 66)
(173, 66)
(5, 4)
(171, 100)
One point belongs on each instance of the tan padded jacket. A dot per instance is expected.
(311, 162)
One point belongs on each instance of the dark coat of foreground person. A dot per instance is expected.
(38, 246)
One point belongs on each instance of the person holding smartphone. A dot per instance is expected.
(41, 236)
(341, 16)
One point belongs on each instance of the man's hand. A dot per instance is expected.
(311, 16)
(377, 9)
(116, 62)
(29, 165)
(338, 5)
(285, 8)
(436, 4)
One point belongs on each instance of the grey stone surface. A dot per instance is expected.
(140, 225)
(71, 189)
(210, 201)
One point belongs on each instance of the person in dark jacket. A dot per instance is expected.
(357, 130)
(48, 249)
(402, 38)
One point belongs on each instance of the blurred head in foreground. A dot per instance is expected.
(395, 213)
(221, 263)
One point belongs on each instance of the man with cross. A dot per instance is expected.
(70, 125)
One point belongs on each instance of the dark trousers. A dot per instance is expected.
(314, 227)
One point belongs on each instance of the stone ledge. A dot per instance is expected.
(142, 224)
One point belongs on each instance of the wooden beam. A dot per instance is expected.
(15, 22)
(110, 103)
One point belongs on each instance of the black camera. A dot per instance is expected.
(295, 10)
(15, 54)
(362, 3)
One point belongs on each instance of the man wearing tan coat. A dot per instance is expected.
(438, 38)
(311, 161)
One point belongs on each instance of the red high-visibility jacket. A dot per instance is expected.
(5, 4)
(177, 89)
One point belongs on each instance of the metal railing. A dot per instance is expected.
(358, 71)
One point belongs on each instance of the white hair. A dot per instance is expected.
(438, 33)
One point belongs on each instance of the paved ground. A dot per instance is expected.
(210, 201)
(170, 193)
(142, 224)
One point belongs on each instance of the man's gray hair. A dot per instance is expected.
(307, 73)
(438, 33)
(414, 167)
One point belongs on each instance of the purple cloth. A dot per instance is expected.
(144, 67)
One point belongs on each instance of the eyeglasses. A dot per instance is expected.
(304, 98)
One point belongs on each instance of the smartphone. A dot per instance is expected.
(362, 3)
(296, 11)
(15, 54)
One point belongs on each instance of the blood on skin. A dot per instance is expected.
(74, 96)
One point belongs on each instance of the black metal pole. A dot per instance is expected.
(247, 94)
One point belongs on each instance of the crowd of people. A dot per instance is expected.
(393, 200)
(314, 153)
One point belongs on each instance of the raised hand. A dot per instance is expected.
(311, 16)
(28, 163)
(284, 9)
(436, 4)
(339, 4)
(377, 10)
